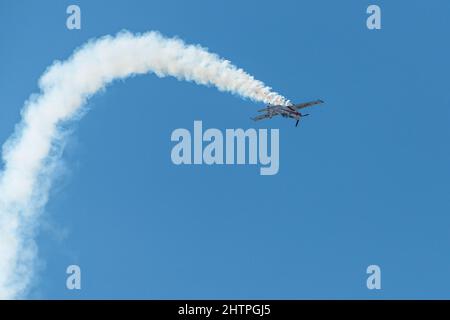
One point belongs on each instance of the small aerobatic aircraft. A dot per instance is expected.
(290, 111)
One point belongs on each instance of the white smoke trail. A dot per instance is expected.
(31, 152)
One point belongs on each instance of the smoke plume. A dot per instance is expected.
(30, 154)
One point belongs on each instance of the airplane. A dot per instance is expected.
(286, 111)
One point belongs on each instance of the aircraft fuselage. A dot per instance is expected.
(289, 111)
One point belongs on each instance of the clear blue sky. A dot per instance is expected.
(364, 180)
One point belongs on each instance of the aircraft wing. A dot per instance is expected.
(269, 107)
(306, 104)
(261, 117)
